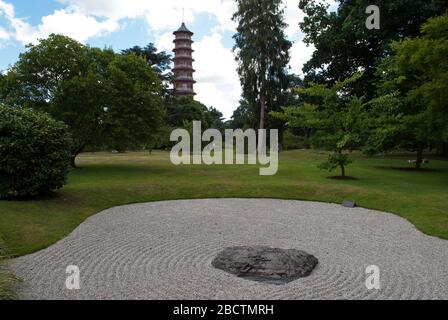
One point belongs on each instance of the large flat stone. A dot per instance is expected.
(265, 264)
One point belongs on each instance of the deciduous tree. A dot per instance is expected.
(263, 55)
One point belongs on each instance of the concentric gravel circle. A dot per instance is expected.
(164, 250)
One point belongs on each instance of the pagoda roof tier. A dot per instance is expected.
(183, 29)
(184, 79)
(183, 40)
(185, 92)
(184, 58)
(183, 48)
(183, 68)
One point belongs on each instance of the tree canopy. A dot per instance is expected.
(135, 110)
(244, 116)
(184, 110)
(160, 62)
(345, 46)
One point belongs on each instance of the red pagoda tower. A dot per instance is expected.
(183, 62)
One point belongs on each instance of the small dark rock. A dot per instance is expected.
(265, 264)
(349, 204)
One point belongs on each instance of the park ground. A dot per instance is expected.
(104, 180)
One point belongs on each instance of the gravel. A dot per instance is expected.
(164, 250)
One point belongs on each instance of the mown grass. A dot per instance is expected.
(7, 279)
(106, 180)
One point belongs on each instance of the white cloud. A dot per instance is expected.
(6, 8)
(73, 24)
(164, 41)
(218, 83)
(76, 25)
(4, 35)
(300, 54)
(293, 16)
(160, 15)
(224, 14)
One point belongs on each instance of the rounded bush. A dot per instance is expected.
(34, 153)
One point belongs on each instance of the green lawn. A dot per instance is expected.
(7, 279)
(108, 180)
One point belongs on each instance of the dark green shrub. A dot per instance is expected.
(34, 153)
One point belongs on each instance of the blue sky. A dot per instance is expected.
(123, 24)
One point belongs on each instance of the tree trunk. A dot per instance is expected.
(262, 112)
(75, 152)
(419, 161)
(281, 139)
(342, 171)
(73, 161)
(262, 140)
(442, 149)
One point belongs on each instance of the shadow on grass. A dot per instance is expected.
(35, 197)
(348, 178)
(409, 169)
(126, 169)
